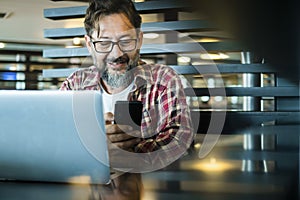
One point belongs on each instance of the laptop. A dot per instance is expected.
(53, 136)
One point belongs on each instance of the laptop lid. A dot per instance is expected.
(53, 136)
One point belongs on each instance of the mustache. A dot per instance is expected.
(121, 59)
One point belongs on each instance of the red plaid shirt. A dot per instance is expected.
(166, 120)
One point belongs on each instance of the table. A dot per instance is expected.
(229, 171)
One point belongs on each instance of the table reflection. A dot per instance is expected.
(127, 186)
(230, 171)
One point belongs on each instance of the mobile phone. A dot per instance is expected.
(129, 113)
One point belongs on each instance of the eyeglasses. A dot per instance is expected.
(107, 46)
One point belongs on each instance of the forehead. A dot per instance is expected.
(115, 25)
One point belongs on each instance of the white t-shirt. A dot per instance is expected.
(109, 100)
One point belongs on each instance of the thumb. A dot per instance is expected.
(108, 117)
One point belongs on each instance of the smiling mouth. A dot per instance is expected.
(117, 66)
(119, 63)
(121, 60)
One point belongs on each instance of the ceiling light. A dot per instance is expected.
(76, 41)
(218, 98)
(151, 35)
(204, 99)
(183, 59)
(71, 46)
(213, 56)
(2, 45)
(197, 63)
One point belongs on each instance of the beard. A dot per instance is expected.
(117, 80)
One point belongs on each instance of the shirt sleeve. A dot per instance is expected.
(71, 83)
(66, 85)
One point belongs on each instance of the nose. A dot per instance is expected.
(116, 51)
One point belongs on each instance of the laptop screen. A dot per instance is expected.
(53, 136)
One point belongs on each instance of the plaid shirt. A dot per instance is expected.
(166, 123)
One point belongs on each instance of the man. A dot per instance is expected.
(114, 39)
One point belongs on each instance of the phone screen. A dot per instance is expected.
(129, 113)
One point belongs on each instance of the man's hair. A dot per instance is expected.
(99, 8)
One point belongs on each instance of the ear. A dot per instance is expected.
(88, 43)
(140, 42)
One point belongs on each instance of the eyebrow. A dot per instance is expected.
(123, 36)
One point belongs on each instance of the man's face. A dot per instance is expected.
(115, 64)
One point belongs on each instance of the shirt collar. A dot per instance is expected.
(142, 76)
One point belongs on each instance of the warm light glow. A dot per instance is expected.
(207, 39)
(183, 59)
(80, 179)
(213, 161)
(71, 46)
(197, 145)
(2, 45)
(213, 56)
(12, 68)
(76, 41)
(151, 35)
(211, 165)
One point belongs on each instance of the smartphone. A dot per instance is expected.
(129, 113)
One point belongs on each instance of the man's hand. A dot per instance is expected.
(122, 136)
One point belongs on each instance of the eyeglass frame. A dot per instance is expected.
(113, 44)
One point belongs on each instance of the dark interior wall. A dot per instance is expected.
(268, 28)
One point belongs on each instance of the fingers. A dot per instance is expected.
(127, 144)
(122, 136)
(117, 128)
(109, 118)
(119, 137)
(125, 141)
